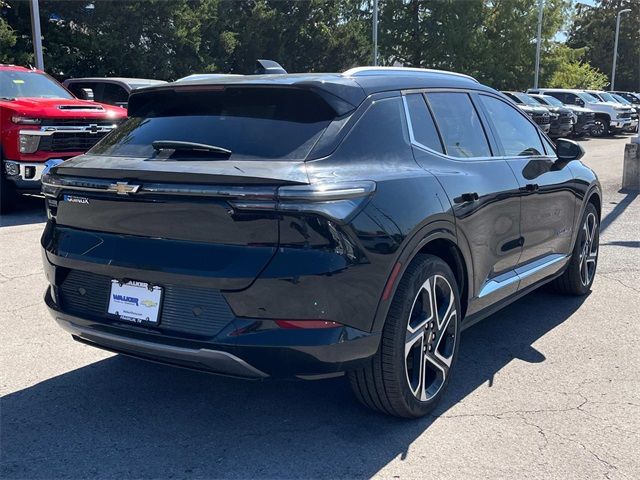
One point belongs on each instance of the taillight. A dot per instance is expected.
(338, 201)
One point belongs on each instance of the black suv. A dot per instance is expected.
(540, 115)
(311, 225)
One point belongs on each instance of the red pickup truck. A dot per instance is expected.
(42, 123)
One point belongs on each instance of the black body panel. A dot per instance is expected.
(281, 268)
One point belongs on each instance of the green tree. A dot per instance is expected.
(594, 30)
(564, 67)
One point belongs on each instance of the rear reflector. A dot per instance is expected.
(307, 324)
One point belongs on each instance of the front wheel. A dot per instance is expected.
(410, 372)
(578, 277)
(600, 127)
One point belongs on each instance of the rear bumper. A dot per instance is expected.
(246, 348)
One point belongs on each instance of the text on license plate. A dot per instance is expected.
(135, 301)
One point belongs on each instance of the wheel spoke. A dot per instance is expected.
(430, 337)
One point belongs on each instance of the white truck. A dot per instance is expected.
(610, 118)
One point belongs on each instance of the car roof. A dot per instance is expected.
(349, 88)
(125, 80)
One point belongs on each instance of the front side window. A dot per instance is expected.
(21, 84)
(424, 129)
(459, 124)
(516, 134)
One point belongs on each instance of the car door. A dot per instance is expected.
(450, 141)
(546, 190)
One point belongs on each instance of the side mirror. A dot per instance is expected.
(568, 150)
(86, 94)
(579, 102)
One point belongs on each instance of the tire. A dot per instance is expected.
(600, 128)
(393, 382)
(579, 274)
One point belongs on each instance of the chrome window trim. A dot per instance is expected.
(417, 144)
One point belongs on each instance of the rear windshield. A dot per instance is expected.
(254, 123)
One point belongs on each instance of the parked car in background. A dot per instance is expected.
(313, 225)
(629, 96)
(562, 118)
(583, 118)
(43, 122)
(609, 98)
(111, 90)
(541, 115)
(634, 116)
(610, 117)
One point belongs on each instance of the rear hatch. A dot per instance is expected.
(180, 208)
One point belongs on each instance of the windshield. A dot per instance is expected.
(526, 99)
(620, 99)
(253, 123)
(587, 97)
(607, 97)
(553, 101)
(19, 84)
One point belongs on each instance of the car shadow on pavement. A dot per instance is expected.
(122, 417)
(29, 209)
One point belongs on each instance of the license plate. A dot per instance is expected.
(135, 301)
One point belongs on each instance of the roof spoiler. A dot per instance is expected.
(268, 67)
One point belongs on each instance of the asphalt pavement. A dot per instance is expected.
(547, 388)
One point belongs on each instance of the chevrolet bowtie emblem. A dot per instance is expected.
(123, 188)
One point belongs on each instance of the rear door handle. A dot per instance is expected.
(467, 197)
(532, 187)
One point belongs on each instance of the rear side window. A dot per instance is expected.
(380, 134)
(518, 136)
(254, 123)
(422, 124)
(459, 125)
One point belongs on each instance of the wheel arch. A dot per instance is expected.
(439, 239)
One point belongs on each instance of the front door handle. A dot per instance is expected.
(532, 187)
(467, 197)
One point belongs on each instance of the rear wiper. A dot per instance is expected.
(9, 99)
(189, 147)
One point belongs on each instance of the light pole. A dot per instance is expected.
(538, 43)
(375, 33)
(615, 48)
(36, 35)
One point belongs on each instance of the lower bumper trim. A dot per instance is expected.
(217, 361)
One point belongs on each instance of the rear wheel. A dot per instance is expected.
(410, 372)
(578, 277)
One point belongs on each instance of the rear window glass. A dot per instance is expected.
(254, 123)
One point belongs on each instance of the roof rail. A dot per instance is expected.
(364, 71)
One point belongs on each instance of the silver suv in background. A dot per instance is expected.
(611, 117)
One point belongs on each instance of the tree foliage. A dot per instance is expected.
(594, 31)
(493, 40)
(570, 71)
